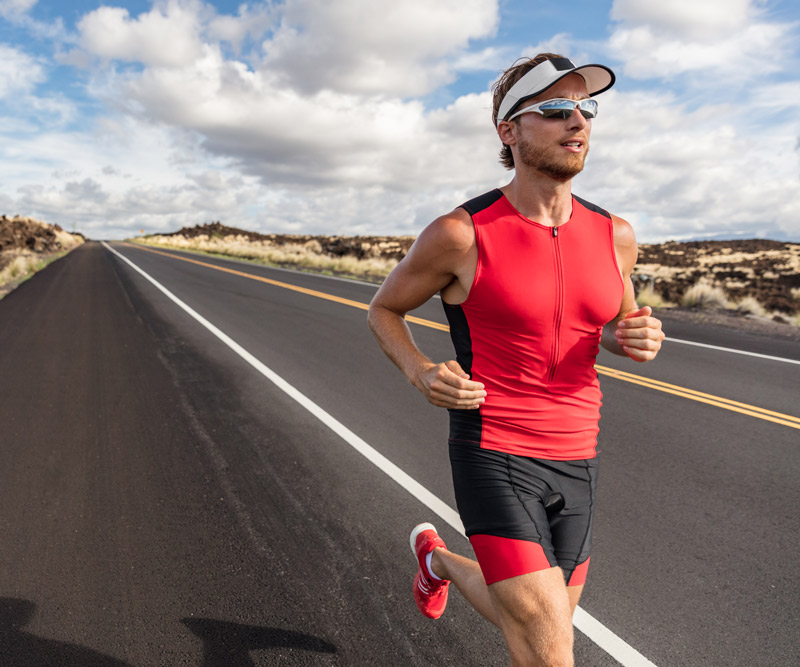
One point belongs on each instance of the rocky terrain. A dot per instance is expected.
(27, 245)
(359, 247)
(768, 271)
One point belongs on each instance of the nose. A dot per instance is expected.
(576, 119)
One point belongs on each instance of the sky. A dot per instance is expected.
(362, 117)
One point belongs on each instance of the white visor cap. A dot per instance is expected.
(599, 78)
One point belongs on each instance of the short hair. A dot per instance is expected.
(507, 79)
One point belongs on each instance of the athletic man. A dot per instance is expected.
(532, 279)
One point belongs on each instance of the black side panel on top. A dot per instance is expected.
(592, 207)
(465, 425)
(481, 202)
(459, 334)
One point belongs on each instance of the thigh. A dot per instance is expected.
(492, 499)
(534, 612)
(502, 511)
(572, 518)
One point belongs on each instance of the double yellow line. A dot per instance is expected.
(709, 399)
(675, 390)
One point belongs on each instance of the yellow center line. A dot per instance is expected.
(692, 394)
(665, 386)
(733, 406)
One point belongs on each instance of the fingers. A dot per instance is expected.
(644, 310)
(640, 335)
(448, 386)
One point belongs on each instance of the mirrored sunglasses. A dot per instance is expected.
(561, 108)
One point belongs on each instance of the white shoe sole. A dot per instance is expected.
(417, 530)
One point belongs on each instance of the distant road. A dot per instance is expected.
(164, 503)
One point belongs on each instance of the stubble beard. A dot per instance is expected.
(563, 169)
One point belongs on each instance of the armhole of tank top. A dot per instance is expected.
(478, 265)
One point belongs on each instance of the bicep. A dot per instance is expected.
(627, 251)
(430, 265)
(410, 285)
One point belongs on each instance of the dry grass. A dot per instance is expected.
(307, 256)
(751, 306)
(647, 296)
(705, 295)
(22, 267)
(17, 265)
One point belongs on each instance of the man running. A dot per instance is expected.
(532, 279)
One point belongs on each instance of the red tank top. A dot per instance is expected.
(530, 329)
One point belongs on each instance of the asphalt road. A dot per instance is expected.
(163, 503)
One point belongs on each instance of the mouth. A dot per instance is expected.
(574, 146)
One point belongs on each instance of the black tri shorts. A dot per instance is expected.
(523, 514)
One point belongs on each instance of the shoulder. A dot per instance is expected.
(452, 232)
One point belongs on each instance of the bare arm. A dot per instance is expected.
(439, 256)
(633, 332)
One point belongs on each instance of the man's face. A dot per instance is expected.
(554, 147)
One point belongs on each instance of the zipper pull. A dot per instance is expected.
(555, 232)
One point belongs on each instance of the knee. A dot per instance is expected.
(538, 632)
(547, 630)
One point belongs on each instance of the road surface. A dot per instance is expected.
(165, 503)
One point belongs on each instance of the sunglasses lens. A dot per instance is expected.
(563, 108)
(588, 108)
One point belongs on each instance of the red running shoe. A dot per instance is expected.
(430, 594)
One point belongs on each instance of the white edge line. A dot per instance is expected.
(612, 644)
(730, 349)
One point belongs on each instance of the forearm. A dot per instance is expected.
(609, 339)
(394, 337)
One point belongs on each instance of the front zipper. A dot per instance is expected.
(552, 366)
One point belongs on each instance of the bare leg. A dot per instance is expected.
(534, 611)
(574, 593)
(467, 576)
(535, 614)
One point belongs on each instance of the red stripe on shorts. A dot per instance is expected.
(578, 577)
(503, 557)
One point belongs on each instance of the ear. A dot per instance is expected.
(507, 132)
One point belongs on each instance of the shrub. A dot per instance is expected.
(705, 295)
(307, 255)
(647, 296)
(17, 267)
(751, 306)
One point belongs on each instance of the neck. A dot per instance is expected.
(540, 198)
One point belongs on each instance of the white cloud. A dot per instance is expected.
(165, 36)
(720, 42)
(17, 13)
(688, 19)
(680, 173)
(14, 9)
(19, 72)
(250, 22)
(362, 46)
(323, 139)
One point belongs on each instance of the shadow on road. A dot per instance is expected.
(229, 644)
(22, 649)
